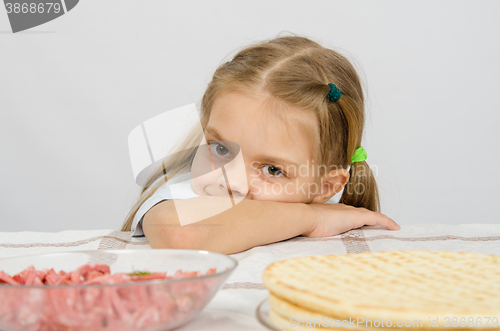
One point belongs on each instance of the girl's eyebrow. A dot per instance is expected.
(214, 133)
(274, 159)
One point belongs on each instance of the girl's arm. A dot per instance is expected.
(248, 224)
(252, 223)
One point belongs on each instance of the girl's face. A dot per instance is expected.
(275, 159)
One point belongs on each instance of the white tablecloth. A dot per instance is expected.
(233, 307)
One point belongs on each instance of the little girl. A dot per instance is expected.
(280, 156)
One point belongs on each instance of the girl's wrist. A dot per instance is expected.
(310, 219)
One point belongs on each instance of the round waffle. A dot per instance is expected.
(442, 289)
(287, 316)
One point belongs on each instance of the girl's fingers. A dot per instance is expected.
(381, 219)
(389, 223)
(394, 227)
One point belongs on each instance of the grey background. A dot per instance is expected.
(72, 89)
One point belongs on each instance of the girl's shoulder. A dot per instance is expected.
(178, 187)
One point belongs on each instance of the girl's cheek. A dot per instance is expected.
(280, 190)
(196, 188)
(199, 183)
(269, 191)
(257, 188)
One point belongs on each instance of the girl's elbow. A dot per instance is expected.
(162, 228)
(181, 240)
(174, 237)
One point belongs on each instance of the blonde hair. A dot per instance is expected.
(296, 71)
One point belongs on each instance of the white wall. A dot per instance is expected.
(72, 89)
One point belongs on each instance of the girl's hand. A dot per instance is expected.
(333, 219)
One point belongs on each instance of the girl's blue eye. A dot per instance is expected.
(219, 149)
(275, 172)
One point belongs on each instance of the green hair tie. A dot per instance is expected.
(359, 155)
(334, 94)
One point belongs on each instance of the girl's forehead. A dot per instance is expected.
(260, 123)
(261, 107)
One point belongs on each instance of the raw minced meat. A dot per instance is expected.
(82, 307)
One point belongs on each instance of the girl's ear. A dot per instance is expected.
(331, 184)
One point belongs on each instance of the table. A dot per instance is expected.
(233, 307)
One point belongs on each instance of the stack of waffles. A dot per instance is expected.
(402, 290)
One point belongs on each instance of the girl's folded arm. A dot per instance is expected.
(248, 224)
(251, 223)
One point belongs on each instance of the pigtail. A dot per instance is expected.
(361, 190)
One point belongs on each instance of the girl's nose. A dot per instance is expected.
(236, 176)
(238, 185)
(235, 191)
